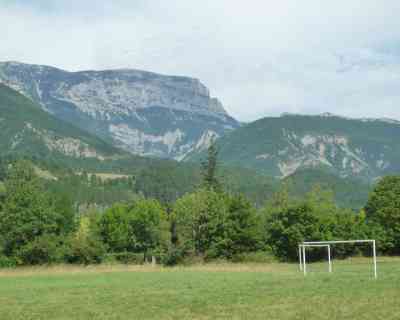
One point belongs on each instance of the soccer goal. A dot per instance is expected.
(327, 244)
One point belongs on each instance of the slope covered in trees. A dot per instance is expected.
(41, 226)
(280, 146)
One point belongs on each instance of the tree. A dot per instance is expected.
(65, 214)
(3, 169)
(243, 228)
(149, 225)
(288, 226)
(85, 245)
(314, 218)
(200, 220)
(115, 229)
(28, 211)
(383, 213)
(166, 182)
(213, 224)
(209, 169)
(140, 227)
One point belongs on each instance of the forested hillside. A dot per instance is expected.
(42, 225)
(76, 160)
(361, 148)
(28, 130)
(347, 192)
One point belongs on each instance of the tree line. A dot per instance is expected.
(42, 226)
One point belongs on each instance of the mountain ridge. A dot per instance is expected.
(142, 112)
(333, 115)
(280, 146)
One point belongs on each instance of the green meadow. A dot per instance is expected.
(215, 291)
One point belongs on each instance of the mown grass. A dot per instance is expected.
(220, 291)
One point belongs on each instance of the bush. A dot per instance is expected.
(125, 258)
(46, 249)
(6, 262)
(87, 250)
(254, 257)
(173, 255)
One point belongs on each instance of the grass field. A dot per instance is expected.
(221, 291)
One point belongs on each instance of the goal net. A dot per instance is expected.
(328, 244)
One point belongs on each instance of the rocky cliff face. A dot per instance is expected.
(363, 148)
(142, 112)
(29, 131)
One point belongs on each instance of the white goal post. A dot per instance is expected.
(327, 244)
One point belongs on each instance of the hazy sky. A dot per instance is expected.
(260, 58)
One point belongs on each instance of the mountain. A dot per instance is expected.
(26, 130)
(64, 151)
(142, 112)
(280, 146)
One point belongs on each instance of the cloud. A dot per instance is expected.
(259, 57)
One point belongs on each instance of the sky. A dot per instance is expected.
(259, 57)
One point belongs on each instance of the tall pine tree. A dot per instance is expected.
(209, 169)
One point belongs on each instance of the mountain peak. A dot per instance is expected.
(114, 90)
(143, 112)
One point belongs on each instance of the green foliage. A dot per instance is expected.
(38, 226)
(66, 220)
(28, 211)
(115, 229)
(25, 119)
(125, 258)
(265, 144)
(85, 247)
(140, 227)
(242, 227)
(383, 213)
(348, 192)
(148, 225)
(173, 255)
(199, 219)
(167, 181)
(316, 218)
(45, 249)
(212, 224)
(209, 169)
(2, 193)
(254, 257)
(7, 262)
(287, 227)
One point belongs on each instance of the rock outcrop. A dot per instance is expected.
(142, 112)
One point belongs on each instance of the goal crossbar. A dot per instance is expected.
(327, 244)
(337, 242)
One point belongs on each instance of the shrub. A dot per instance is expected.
(46, 249)
(85, 247)
(85, 250)
(173, 255)
(7, 262)
(125, 258)
(254, 257)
